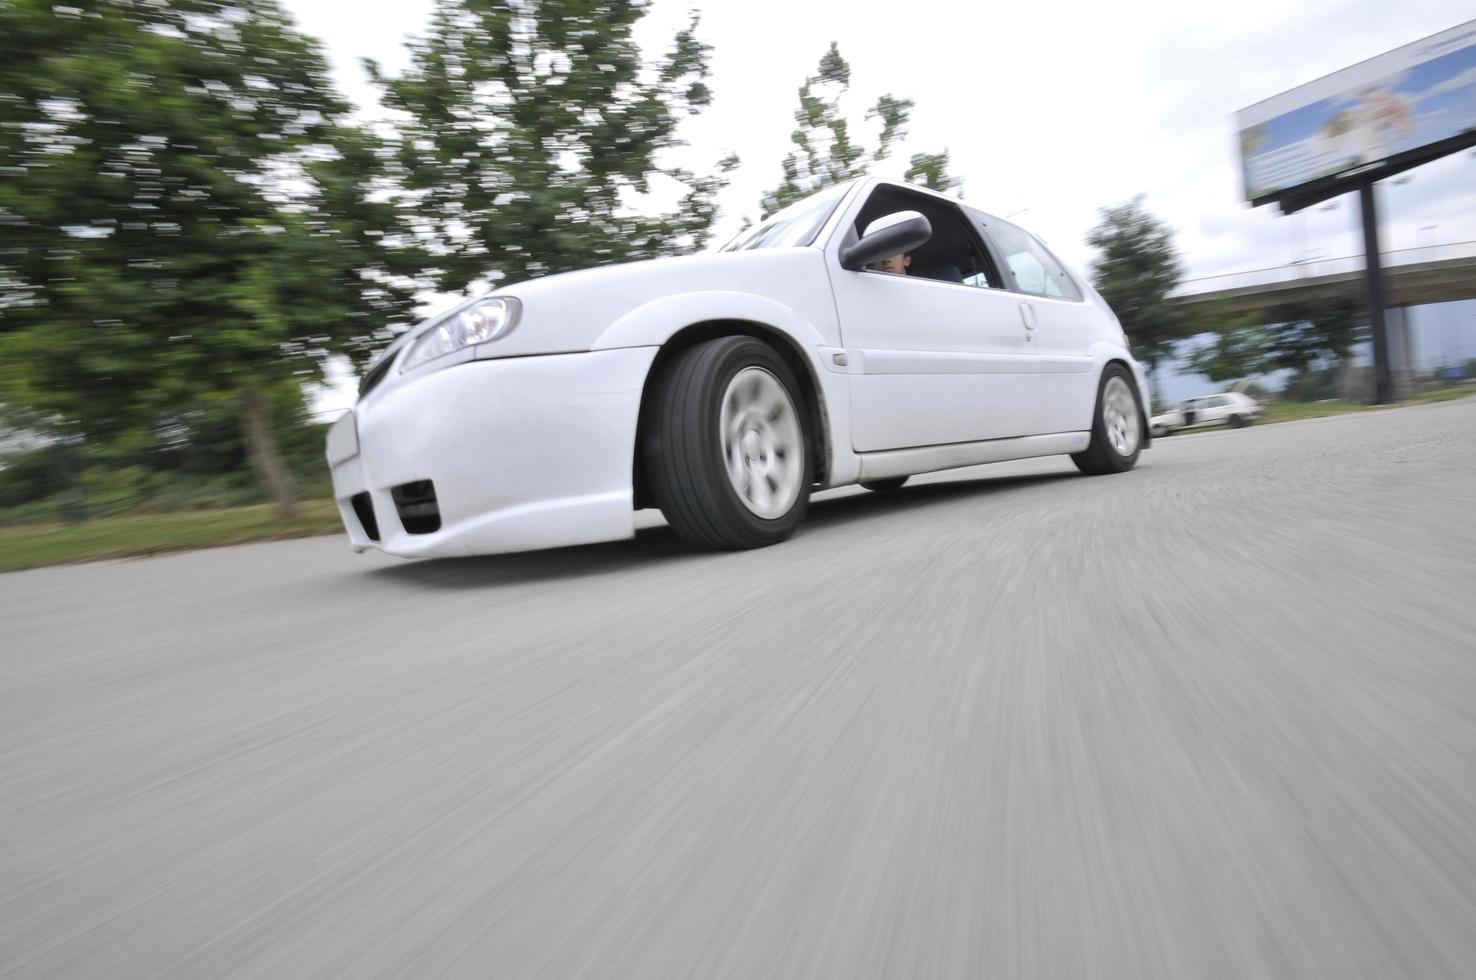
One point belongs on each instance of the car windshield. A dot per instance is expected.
(797, 224)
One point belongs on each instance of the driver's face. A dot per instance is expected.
(896, 265)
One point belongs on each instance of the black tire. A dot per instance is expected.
(1237, 422)
(1100, 457)
(883, 486)
(682, 447)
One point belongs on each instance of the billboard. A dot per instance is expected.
(1385, 109)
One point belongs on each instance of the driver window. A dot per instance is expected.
(952, 254)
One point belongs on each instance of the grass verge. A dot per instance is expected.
(133, 535)
(1291, 411)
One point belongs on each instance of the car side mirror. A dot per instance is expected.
(892, 234)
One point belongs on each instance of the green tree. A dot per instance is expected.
(930, 170)
(825, 151)
(530, 127)
(1314, 340)
(1136, 270)
(1239, 351)
(184, 215)
(1302, 334)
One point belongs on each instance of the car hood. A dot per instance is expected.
(575, 311)
(569, 311)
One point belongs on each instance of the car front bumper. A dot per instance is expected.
(521, 453)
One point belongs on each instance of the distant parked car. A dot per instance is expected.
(1228, 407)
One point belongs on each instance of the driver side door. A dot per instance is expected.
(941, 355)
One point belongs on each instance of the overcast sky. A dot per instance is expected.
(1050, 110)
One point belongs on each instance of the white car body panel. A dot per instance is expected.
(562, 426)
(1065, 336)
(530, 440)
(936, 362)
(643, 303)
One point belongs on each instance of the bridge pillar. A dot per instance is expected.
(1401, 351)
(1374, 276)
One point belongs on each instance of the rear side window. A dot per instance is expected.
(1028, 265)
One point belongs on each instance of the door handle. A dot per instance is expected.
(1027, 314)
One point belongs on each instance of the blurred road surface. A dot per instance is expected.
(1215, 717)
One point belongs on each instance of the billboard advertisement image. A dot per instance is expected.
(1418, 95)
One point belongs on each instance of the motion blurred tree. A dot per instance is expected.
(1136, 270)
(825, 151)
(184, 213)
(1314, 341)
(930, 170)
(1240, 349)
(1302, 334)
(527, 131)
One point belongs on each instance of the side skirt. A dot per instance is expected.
(928, 459)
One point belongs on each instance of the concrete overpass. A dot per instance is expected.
(1412, 277)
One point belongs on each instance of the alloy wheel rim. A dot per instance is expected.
(762, 443)
(1120, 417)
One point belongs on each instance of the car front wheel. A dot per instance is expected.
(724, 447)
(1117, 429)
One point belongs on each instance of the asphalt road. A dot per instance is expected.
(1215, 717)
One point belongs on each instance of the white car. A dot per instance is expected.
(724, 388)
(1227, 407)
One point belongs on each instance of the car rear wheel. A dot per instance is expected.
(725, 447)
(882, 486)
(1117, 429)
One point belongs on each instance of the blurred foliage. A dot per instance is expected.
(1322, 331)
(528, 129)
(1312, 340)
(1240, 350)
(1136, 270)
(199, 461)
(186, 218)
(1313, 384)
(825, 151)
(930, 170)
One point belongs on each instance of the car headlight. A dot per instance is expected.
(485, 320)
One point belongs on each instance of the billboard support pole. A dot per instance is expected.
(1374, 278)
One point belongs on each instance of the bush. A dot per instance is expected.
(46, 510)
(174, 492)
(198, 463)
(28, 477)
(114, 490)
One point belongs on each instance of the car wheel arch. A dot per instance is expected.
(785, 345)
